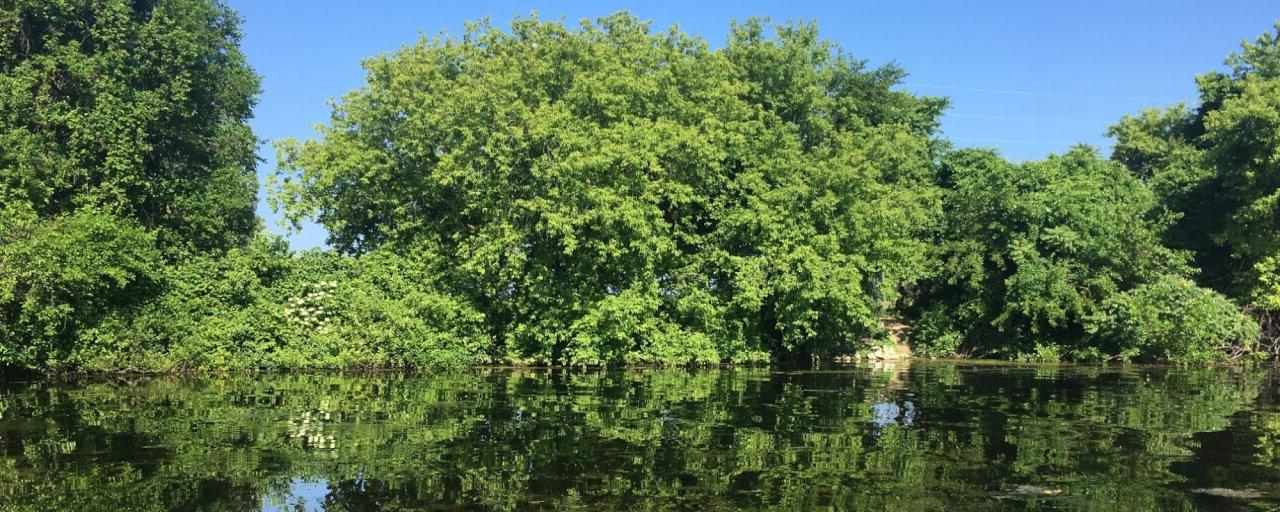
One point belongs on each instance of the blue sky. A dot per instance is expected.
(1027, 77)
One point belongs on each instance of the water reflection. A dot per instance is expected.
(901, 437)
(302, 496)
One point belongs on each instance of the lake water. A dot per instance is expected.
(918, 436)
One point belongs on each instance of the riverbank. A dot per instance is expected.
(837, 363)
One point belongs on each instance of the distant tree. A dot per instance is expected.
(123, 145)
(614, 194)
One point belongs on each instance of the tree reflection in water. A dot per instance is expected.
(929, 435)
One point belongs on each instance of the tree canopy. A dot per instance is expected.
(1217, 167)
(1032, 255)
(137, 109)
(610, 193)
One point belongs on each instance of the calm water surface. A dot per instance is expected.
(920, 436)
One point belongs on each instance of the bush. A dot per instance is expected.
(1172, 319)
(261, 307)
(62, 275)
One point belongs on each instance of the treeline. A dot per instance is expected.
(601, 194)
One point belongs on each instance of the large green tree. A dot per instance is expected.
(611, 193)
(123, 146)
(1217, 166)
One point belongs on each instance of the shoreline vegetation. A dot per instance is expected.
(1269, 372)
(599, 195)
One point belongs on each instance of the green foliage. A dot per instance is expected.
(609, 193)
(597, 195)
(1217, 166)
(1173, 319)
(133, 108)
(61, 275)
(260, 307)
(1029, 253)
(123, 148)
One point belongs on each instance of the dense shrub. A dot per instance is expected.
(1029, 253)
(262, 307)
(1172, 319)
(61, 274)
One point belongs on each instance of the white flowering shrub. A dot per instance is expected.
(311, 309)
